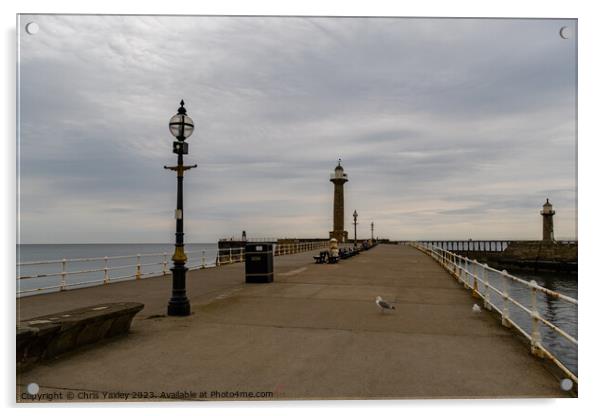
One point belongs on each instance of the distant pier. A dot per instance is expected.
(549, 255)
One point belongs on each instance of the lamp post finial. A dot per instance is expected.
(181, 110)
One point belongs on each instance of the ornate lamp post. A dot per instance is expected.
(181, 127)
(354, 228)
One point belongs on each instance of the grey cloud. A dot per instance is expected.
(438, 121)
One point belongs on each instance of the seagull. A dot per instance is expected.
(476, 308)
(382, 304)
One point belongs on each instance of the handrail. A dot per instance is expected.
(38, 262)
(490, 246)
(197, 260)
(466, 271)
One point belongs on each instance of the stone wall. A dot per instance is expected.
(537, 255)
(541, 250)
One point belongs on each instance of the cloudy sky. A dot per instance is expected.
(447, 128)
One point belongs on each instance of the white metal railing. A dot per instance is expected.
(103, 268)
(293, 248)
(485, 282)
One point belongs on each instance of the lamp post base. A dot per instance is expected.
(178, 308)
(178, 304)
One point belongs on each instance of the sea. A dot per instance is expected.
(40, 278)
(560, 313)
(557, 311)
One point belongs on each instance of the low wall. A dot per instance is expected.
(538, 255)
(49, 336)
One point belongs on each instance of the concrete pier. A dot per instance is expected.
(315, 333)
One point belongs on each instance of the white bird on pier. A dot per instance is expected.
(476, 308)
(383, 305)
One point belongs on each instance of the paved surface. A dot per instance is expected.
(315, 333)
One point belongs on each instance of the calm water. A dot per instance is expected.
(560, 313)
(126, 268)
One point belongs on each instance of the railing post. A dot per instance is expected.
(456, 272)
(106, 277)
(202, 259)
(138, 267)
(465, 273)
(505, 309)
(63, 274)
(487, 302)
(475, 280)
(230, 255)
(535, 334)
(164, 264)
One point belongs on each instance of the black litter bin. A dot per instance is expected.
(259, 263)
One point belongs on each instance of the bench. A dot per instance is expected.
(320, 259)
(344, 253)
(47, 337)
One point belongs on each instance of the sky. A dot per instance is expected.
(447, 128)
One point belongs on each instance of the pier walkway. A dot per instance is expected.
(315, 333)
